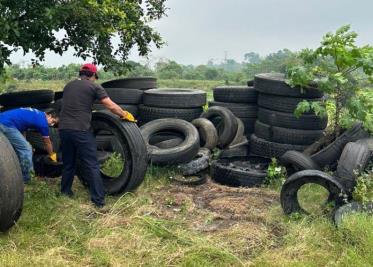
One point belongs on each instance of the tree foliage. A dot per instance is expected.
(88, 26)
(344, 72)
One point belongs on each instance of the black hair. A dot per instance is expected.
(86, 73)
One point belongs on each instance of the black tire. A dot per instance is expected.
(274, 84)
(351, 208)
(191, 180)
(44, 168)
(11, 189)
(249, 124)
(368, 142)
(282, 103)
(42, 107)
(198, 164)
(328, 156)
(239, 110)
(288, 120)
(169, 143)
(174, 98)
(133, 109)
(208, 134)
(296, 161)
(125, 96)
(153, 113)
(235, 94)
(238, 171)
(136, 83)
(26, 98)
(268, 149)
(182, 153)
(165, 136)
(289, 191)
(58, 95)
(354, 158)
(239, 136)
(239, 151)
(132, 148)
(286, 135)
(228, 122)
(37, 142)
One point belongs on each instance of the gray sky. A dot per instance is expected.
(199, 30)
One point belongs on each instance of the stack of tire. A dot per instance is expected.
(39, 99)
(185, 104)
(127, 92)
(241, 100)
(277, 129)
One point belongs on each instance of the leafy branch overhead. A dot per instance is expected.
(88, 26)
(344, 72)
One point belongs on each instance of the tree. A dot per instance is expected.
(341, 69)
(169, 70)
(88, 26)
(252, 58)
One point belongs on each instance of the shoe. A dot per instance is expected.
(69, 194)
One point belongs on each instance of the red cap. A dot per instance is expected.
(90, 67)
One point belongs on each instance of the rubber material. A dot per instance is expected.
(270, 149)
(125, 96)
(133, 109)
(296, 161)
(37, 142)
(235, 94)
(239, 110)
(286, 135)
(27, 98)
(289, 191)
(351, 208)
(195, 179)
(135, 82)
(274, 83)
(198, 164)
(174, 98)
(153, 113)
(282, 103)
(208, 134)
(182, 153)
(353, 160)
(227, 121)
(11, 185)
(238, 171)
(288, 120)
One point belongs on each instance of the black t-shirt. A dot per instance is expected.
(78, 98)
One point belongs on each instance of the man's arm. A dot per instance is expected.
(48, 145)
(110, 105)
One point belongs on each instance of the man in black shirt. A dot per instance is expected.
(74, 127)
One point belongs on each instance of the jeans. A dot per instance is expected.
(81, 145)
(22, 148)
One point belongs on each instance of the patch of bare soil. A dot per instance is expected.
(211, 207)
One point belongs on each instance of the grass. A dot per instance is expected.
(164, 224)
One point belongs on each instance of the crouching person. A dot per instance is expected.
(14, 123)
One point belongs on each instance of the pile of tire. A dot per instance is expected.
(241, 100)
(127, 92)
(39, 99)
(277, 129)
(185, 104)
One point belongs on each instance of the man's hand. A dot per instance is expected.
(53, 157)
(128, 116)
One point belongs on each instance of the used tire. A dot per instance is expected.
(26, 98)
(191, 180)
(289, 191)
(174, 98)
(296, 161)
(198, 164)
(37, 142)
(169, 143)
(228, 123)
(354, 158)
(235, 94)
(132, 149)
(282, 103)
(182, 153)
(153, 113)
(274, 84)
(350, 208)
(368, 142)
(125, 95)
(133, 109)
(286, 135)
(242, 150)
(239, 110)
(270, 149)
(11, 189)
(328, 156)
(288, 120)
(240, 171)
(58, 95)
(136, 83)
(208, 134)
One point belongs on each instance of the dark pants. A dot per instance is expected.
(81, 144)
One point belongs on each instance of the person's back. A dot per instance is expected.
(78, 98)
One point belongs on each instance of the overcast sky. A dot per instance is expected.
(199, 30)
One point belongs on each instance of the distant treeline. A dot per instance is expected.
(229, 70)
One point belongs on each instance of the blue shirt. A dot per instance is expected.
(24, 119)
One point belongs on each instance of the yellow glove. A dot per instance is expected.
(128, 116)
(53, 157)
